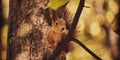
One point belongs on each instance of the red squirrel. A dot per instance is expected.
(57, 31)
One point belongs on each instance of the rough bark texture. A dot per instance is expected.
(114, 42)
(27, 30)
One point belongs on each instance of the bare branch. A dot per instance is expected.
(87, 49)
(76, 18)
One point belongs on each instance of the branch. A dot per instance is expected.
(76, 18)
(66, 39)
(88, 50)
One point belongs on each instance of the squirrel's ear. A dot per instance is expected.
(60, 10)
(52, 15)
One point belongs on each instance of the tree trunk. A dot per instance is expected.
(114, 45)
(27, 30)
(115, 35)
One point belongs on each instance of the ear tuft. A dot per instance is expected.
(60, 11)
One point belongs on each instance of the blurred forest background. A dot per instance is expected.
(93, 28)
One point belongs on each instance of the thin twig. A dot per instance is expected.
(76, 18)
(87, 49)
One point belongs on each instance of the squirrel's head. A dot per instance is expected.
(59, 25)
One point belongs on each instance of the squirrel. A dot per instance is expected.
(56, 32)
(58, 29)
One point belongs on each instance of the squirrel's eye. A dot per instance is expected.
(62, 29)
(56, 23)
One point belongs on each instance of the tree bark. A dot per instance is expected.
(114, 45)
(27, 30)
(115, 35)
